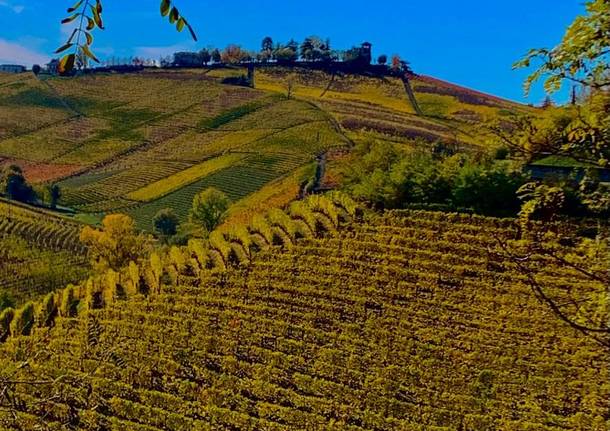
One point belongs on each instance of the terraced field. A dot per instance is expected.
(406, 321)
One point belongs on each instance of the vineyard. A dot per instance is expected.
(39, 252)
(402, 321)
(378, 107)
(137, 143)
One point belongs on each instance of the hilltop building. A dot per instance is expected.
(12, 68)
(187, 59)
(366, 52)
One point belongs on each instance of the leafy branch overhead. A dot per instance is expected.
(167, 10)
(583, 56)
(88, 14)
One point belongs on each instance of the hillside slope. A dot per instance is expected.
(402, 322)
(137, 143)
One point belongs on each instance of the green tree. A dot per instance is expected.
(165, 223)
(14, 185)
(267, 44)
(205, 56)
(209, 208)
(583, 56)
(52, 195)
(382, 60)
(216, 56)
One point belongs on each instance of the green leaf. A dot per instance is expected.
(70, 18)
(76, 6)
(180, 24)
(99, 7)
(88, 53)
(66, 64)
(174, 15)
(90, 24)
(165, 6)
(64, 47)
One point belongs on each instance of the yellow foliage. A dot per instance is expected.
(116, 244)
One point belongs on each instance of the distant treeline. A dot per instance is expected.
(313, 52)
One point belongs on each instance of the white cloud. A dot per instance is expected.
(155, 52)
(17, 8)
(12, 52)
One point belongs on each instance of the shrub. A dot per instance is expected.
(23, 321)
(165, 223)
(6, 301)
(68, 304)
(6, 318)
(48, 311)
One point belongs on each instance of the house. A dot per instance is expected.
(187, 59)
(12, 68)
(564, 167)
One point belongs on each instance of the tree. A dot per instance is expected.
(382, 60)
(581, 131)
(14, 185)
(234, 54)
(52, 195)
(205, 56)
(116, 244)
(209, 208)
(267, 45)
(547, 102)
(165, 223)
(396, 63)
(290, 83)
(216, 57)
(88, 16)
(583, 56)
(36, 69)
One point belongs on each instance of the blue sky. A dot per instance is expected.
(469, 42)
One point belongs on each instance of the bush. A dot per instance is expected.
(165, 223)
(23, 321)
(48, 311)
(6, 301)
(6, 318)
(388, 178)
(68, 304)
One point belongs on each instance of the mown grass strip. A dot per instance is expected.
(174, 182)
